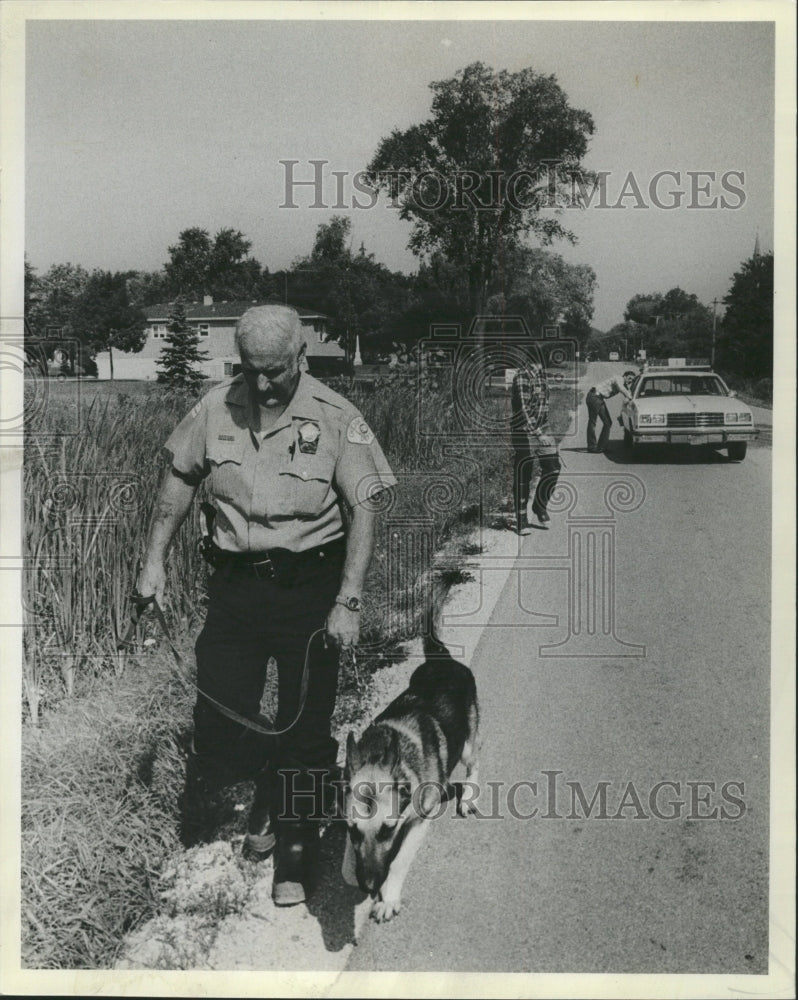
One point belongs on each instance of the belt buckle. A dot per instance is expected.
(263, 570)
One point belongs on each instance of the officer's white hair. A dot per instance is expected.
(274, 323)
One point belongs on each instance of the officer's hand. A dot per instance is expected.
(343, 626)
(152, 580)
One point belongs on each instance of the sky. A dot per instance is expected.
(136, 130)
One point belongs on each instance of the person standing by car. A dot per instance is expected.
(532, 439)
(597, 408)
(283, 455)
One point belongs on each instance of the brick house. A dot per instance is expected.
(215, 322)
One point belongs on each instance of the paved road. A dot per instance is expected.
(690, 570)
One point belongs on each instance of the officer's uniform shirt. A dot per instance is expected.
(609, 387)
(280, 488)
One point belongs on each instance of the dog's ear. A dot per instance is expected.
(353, 760)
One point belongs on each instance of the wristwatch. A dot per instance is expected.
(352, 603)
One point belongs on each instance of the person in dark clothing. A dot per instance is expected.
(597, 408)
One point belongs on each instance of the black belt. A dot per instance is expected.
(280, 565)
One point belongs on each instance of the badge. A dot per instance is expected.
(309, 433)
(196, 409)
(359, 432)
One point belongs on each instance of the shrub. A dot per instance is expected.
(763, 389)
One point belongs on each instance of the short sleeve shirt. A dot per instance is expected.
(282, 488)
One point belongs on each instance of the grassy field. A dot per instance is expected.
(104, 740)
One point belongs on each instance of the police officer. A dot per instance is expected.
(284, 455)
(532, 439)
(597, 407)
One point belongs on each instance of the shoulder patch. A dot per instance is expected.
(359, 432)
(196, 409)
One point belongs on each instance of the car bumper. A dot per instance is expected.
(694, 436)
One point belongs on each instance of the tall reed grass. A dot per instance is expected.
(88, 496)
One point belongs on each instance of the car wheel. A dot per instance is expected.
(737, 450)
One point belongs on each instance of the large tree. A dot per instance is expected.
(543, 288)
(674, 323)
(360, 296)
(148, 288)
(49, 299)
(645, 309)
(745, 344)
(498, 149)
(438, 294)
(221, 267)
(104, 318)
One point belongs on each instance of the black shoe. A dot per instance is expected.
(540, 514)
(295, 862)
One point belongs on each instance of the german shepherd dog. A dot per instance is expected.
(397, 776)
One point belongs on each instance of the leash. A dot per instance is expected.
(142, 604)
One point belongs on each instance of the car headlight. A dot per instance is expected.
(651, 418)
(738, 418)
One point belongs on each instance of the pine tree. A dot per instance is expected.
(181, 355)
(745, 344)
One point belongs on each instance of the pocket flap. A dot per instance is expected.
(306, 474)
(221, 451)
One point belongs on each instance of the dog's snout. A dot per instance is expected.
(368, 878)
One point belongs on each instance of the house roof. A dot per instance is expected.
(220, 310)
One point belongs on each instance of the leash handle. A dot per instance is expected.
(141, 604)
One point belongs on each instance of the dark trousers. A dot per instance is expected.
(597, 407)
(250, 620)
(523, 466)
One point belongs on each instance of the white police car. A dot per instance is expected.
(677, 401)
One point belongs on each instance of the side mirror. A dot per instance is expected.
(733, 393)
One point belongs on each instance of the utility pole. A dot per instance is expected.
(714, 324)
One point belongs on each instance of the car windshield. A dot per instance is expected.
(680, 385)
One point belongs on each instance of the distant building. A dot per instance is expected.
(215, 322)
